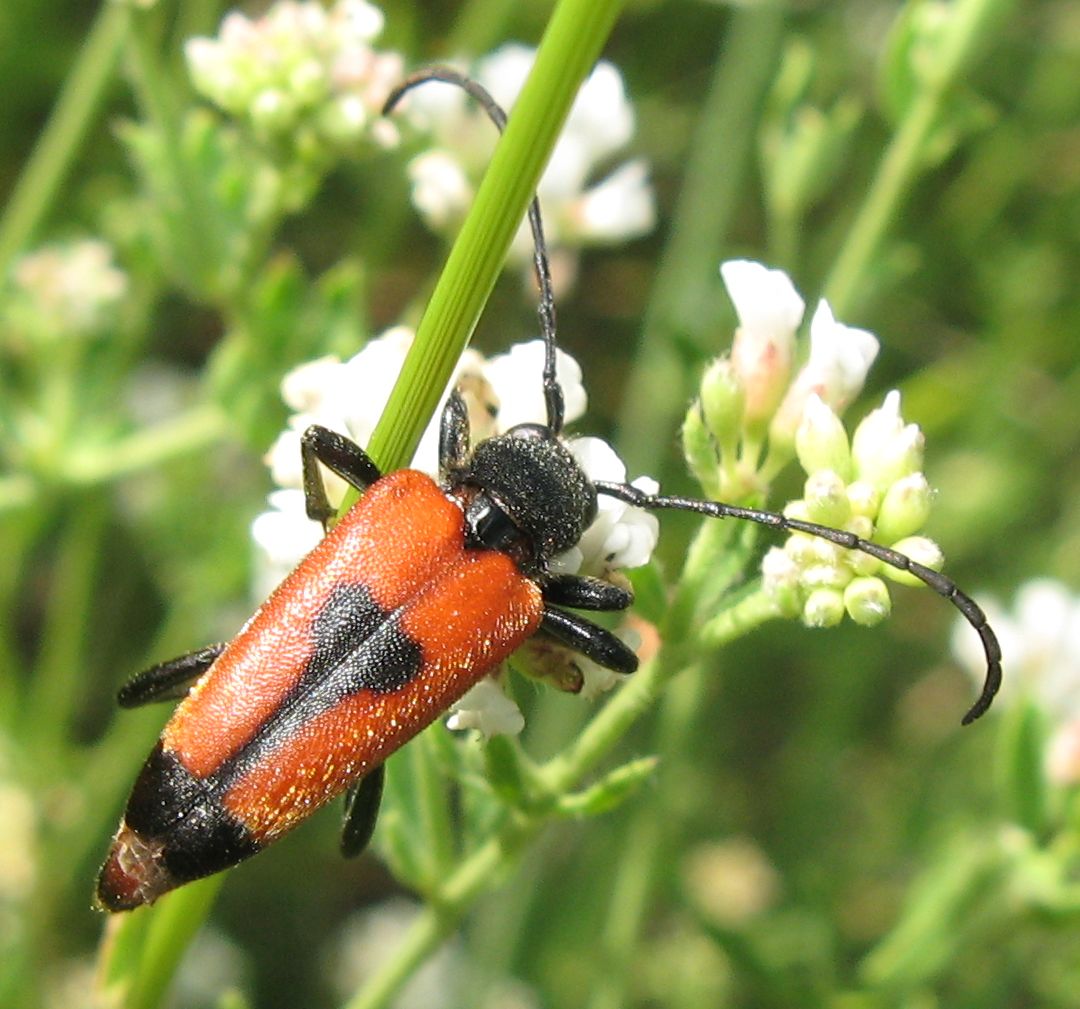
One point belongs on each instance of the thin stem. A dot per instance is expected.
(437, 921)
(58, 676)
(199, 428)
(969, 24)
(642, 849)
(199, 239)
(59, 142)
(687, 295)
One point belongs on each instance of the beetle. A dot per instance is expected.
(415, 594)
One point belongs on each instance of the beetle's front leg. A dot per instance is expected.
(338, 454)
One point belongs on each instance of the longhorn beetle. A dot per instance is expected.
(420, 590)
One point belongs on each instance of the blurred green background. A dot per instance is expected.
(822, 834)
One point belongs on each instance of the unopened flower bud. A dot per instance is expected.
(723, 400)
(867, 601)
(864, 497)
(905, 508)
(780, 579)
(862, 564)
(826, 498)
(699, 447)
(821, 441)
(920, 549)
(883, 448)
(823, 608)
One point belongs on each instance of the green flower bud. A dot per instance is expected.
(920, 549)
(905, 508)
(826, 498)
(821, 442)
(307, 82)
(780, 579)
(862, 564)
(699, 447)
(273, 110)
(864, 497)
(723, 400)
(823, 608)
(867, 601)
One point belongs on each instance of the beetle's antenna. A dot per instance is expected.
(946, 587)
(553, 394)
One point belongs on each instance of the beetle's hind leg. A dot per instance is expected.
(361, 811)
(168, 681)
(338, 454)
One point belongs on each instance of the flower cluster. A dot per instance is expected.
(500, 393)
(577, 211)
(301, 73)
(871, 486)
(64, 291)
(1040, 642)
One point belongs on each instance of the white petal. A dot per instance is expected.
(487, 708)
(764, 299)
(619, 208)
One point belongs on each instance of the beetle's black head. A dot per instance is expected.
(525, 493)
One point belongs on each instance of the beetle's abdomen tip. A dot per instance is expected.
(133, 874)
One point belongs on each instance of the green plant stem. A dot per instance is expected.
(439, 919)
(198, 428)
(199, 242)
(969, 25)
(573, 41)
(644, 843)
(56, 148)
(16, 491)
(489, 864)
(175, 921)
(687, 298)
(58, 670)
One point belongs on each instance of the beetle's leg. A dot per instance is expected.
(339, 455)
(168, 681)
(583, 593)
(453, 435)
(594, 642)
(361, 811)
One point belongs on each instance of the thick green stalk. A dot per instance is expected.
(570, 47)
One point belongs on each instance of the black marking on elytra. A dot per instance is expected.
(171, 805)
(358, 646)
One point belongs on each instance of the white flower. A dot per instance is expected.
(1040, 645)
(620, 536)
(769, 310)
(765, 300)
(487, 709)
(619, 208)
(840, 357)
(515, 380)
(66, 290)
(441, 191)
(600, 122)
(503, 392)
